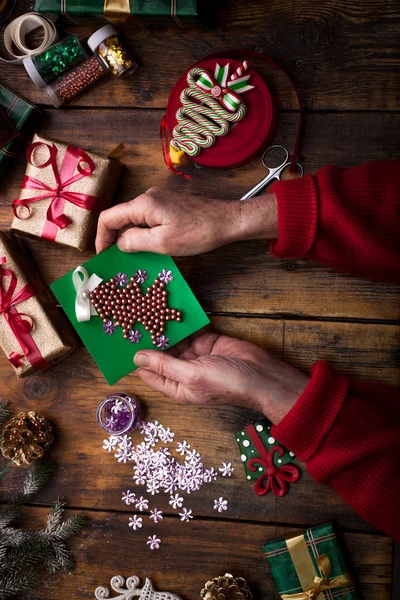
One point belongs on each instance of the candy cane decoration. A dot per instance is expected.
(209, 106)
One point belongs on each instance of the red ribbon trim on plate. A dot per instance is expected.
(274, 478)
(20, 327)
(164, 130)
(73, 160)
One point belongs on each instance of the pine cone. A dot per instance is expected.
(26, 438)
(226, 588)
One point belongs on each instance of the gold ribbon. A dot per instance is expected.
(313, 585)
(117, 10)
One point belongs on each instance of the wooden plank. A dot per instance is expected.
(190, 554)
(342, 56)
(69, 394)
(241, 278)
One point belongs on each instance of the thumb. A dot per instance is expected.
(167, 366)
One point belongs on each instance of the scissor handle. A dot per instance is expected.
(268, 150)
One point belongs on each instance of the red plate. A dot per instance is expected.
(248, 136)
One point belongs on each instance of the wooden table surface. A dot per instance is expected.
(344, 58)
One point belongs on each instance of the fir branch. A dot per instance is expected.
(11, 510)
(61, 556)
(55, 515)
(5, 411)
(38, 476)
(14, 583)
(71, 526)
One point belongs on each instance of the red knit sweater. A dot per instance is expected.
(349, 220)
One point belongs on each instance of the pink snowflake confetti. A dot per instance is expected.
(210, 475)
(134, 336)
(220, 504)
(135, 522)
(141, 504)
(182, 447)
(141, 276)
(121, 279)
(156, 515)
(166, 435)
(186, 515)
(110, 444)
(162, 342)
(109, 328)
(176, 501)
(128, 497)
(153, 542)
(123, 455)
(226, 469)
(165, 276)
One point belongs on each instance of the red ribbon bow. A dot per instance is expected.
(20, 327)
(73, 160)
(275, 479)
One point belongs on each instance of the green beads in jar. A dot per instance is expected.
(55, 61)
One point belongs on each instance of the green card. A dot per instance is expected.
(114, 354)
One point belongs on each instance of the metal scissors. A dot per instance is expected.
(273, 172)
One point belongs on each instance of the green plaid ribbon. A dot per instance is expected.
(314, 544)
(19, 112)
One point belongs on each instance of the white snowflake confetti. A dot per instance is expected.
(123, 455)
(176, 501)
(182, 447)
(210, 475)
(111, 443)
(226, 469)
(141, 504)
(156, 515)
(186, 515)
(117, 407)
(135, 522)
(153, 542)
(128, 497)
(220, 504)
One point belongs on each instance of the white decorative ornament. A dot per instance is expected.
(84, 309)
(130, 590)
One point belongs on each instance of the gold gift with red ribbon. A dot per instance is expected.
(63, 192)
(33, 335)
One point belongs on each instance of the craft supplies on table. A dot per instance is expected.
(54, 62)
(106, 43)
(64, 190)
(74, 82)
(118, 414)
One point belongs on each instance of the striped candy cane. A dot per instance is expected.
(202, 117)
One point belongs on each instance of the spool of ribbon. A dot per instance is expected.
(16, 33)
(20, 324)
(319, 584)
(84, 309)
(73, 160)
(226, 92)
(275, 479)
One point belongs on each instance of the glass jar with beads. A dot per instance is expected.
(55, 61)
(106, 43)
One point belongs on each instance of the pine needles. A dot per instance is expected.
(24, 554)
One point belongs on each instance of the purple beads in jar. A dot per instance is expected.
(118, 414)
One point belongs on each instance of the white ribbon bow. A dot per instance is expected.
(84, 309)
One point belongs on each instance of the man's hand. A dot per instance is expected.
(215, 369)
(170, 223)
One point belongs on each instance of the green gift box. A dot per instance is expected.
(20, 112)
(113, 353)
(182, 11)
(309, 565)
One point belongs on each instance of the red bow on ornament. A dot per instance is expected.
(226, 92)
(73, 160)
(20, 327)
(275, 479)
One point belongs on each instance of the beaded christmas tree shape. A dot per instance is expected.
(122, 304)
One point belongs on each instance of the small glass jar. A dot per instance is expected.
(105, 42)
(118, 414)
(55, 61)
(65, 88)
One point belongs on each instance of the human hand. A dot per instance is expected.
(184, 225)
(215, 369)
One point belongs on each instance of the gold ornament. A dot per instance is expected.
(26, 438)
(226, 588)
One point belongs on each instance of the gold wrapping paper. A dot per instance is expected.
(80, 234)
(51, 333)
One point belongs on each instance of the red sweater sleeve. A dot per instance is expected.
(348, 434)
(346, 219)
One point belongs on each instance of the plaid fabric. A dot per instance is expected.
(19, 111)
(8, 131)
(319, 540)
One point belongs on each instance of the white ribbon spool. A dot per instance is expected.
(16, 32)
(84, 309)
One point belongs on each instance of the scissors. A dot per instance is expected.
(273, 172)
